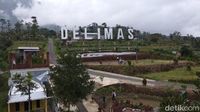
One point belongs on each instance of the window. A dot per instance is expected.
(17, 107)
(25, 106)
(38, 103)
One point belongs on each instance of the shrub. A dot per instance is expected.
(184, 81)
(175, 60)
(188, 68)
(129, 63)
(37, 60)
(198, 73)
(136, 70)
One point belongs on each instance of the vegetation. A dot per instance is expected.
(141, 62)
(4, 44)
(173, 48)
(182, 99)
(3, 91)
(71, 80)
(180, 74)
(23, 34)
(25, 85)
(137, 70)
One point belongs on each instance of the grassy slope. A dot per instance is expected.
(151, 62)
(177, 74)
(41, 44)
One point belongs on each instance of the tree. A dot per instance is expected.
(24, 84)
(4, 44)
(104, 25)
(34, 27)
(28, 29)
(71, 80)
(186, 51)
(155, 37)
(3, 22)
(18, 29)
(8, 25)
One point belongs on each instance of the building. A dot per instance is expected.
(28, 57)
(39, 98)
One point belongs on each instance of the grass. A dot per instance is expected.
(123, 45)
(136, 63)
(40, 44)
(151, 62)
(177, 74)
(3, 92)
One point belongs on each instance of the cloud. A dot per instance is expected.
(162, 16)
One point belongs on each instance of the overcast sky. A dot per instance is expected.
(162, 16)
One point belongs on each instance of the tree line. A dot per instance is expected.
(22, 30)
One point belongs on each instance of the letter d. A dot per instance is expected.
(64, 33)
(167, 108)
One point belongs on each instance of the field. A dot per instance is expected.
(180, 74)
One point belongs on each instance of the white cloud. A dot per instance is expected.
(1, 11)
(164, 16)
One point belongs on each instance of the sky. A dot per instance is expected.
(155, 16)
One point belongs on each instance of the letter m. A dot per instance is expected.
(108, 33)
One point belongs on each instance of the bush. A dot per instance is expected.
(198, 73)
(136, 70)
(4, 91)
(37, 60)
(188, 68)
(129, 63)
(184, 81)
(175, 60)
(3, 65)
(128, 88)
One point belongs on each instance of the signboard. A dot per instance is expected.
(108, 34)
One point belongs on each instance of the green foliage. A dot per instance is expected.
(155, 37)
(37, 60)
(186, 51)
(3, 65)
(188, 68)
(179, 75)
(70, 79)
(3, 91)
(197, 92)
(109, 89)
(198, 73)
(162, 53)
(34, 27)
(175, 61)
(25, 85)
(174, 100)
(129, 63)
(4, 44)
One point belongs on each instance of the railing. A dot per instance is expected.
(23, 66)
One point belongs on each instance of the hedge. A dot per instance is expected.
(137, 70)
(151, 91)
